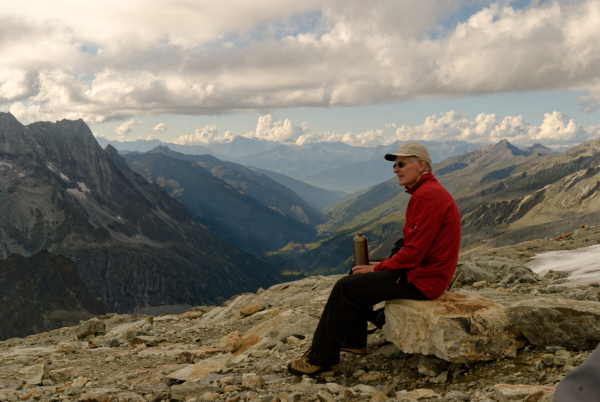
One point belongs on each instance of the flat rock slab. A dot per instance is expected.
(511, 392)
(558, 322)
(455, 327)
(202, 369)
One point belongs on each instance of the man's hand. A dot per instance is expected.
(361, 269)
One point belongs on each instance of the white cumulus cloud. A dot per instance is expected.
(269, 128)
(127, 127)
(205, 135)
(162, 127)
(557, 128)
(109, 60)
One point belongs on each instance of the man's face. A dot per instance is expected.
(409, 173)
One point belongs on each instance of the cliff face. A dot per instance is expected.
(135, 247)
(41, 293)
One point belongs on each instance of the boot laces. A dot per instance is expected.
(303, 363)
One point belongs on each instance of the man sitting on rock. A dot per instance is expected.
(421, 270)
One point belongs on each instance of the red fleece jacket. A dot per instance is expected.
(431, 238)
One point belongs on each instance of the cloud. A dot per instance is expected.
(205, 135)
(368, 138)
(162, 127)
(126, 127)
(269, 128)
(150, 138)
(98, 135)
(111, 60)
(556, 129)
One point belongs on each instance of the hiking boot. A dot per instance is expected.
(303, 366)
(352, 349)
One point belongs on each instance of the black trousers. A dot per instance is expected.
(349, 306)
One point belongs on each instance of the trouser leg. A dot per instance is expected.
(348, 307)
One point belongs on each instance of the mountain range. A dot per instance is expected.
(333, 166)
(379, 212)
(135, 247)
(229, 199)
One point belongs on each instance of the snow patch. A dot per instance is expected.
(83, 187)
(21, 174)
(5, 164)
(583, 265)
(49, 165)
(64, 177)
(76, 193)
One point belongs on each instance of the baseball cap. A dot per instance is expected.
(411, 149)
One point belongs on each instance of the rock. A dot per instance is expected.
(201, 369)
(33, 374)
(79, 382)
(252, 308)
(90, 327)
(416, 394)
(457, 395)
(371, 376)
(260, 353)
(388, 390)
(182, 391)
(68, 347)
(325, 396)
(185, 358)
(149, 341)
(432, 366)
(210, 396)
(455, 327)
(334, 388)
(471, 274)
(480, 284)
(231, 343)
(378, 398)
(113, 343)
(95, 397)
(391, 352)
(365, 389)
(192, 315)
(254, 382)
(510, 392)
(569, 323)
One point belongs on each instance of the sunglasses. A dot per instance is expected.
(400, 165)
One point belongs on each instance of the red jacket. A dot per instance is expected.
(431, 238)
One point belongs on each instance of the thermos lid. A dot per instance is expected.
(360, 234)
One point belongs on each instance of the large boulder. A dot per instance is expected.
(471, 273)
(557, 322)
(90, 327)
(455, 327)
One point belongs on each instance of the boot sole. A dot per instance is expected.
(329, 370)
(354, 351)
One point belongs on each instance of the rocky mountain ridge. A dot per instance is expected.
(134, 246)
(237, 352)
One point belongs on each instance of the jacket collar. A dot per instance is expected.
(424, 178)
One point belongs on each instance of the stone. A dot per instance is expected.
(334, 388)
(480, 284)
(457, 395)
(455, 327)
(371, 376)
(68, 347)
(190, 388)
(432, 365)
(79, 382)
(471, 274)
(557, 322)
(388, 390)
(365, 389)
(378, 398)
(230, 343)
(252, 308)
(90, 327)
(510, 392)
(254, 382)
(185, 358)
(113, 343)
(149, 341)
(192, 315)
(416, 394)
(33, 374)
(210, 396)
(95, 397)
(325, 396)
(260, 353)
(201, 369)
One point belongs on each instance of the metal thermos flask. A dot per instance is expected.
(361, 250)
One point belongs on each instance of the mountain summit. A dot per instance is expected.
(134, 246)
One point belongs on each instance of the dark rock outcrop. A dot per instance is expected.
(135, 247)
(41, 293)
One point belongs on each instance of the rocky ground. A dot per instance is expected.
(238, 352)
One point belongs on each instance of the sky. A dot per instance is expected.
(366, 73)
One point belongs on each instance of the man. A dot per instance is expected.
(421, 270)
